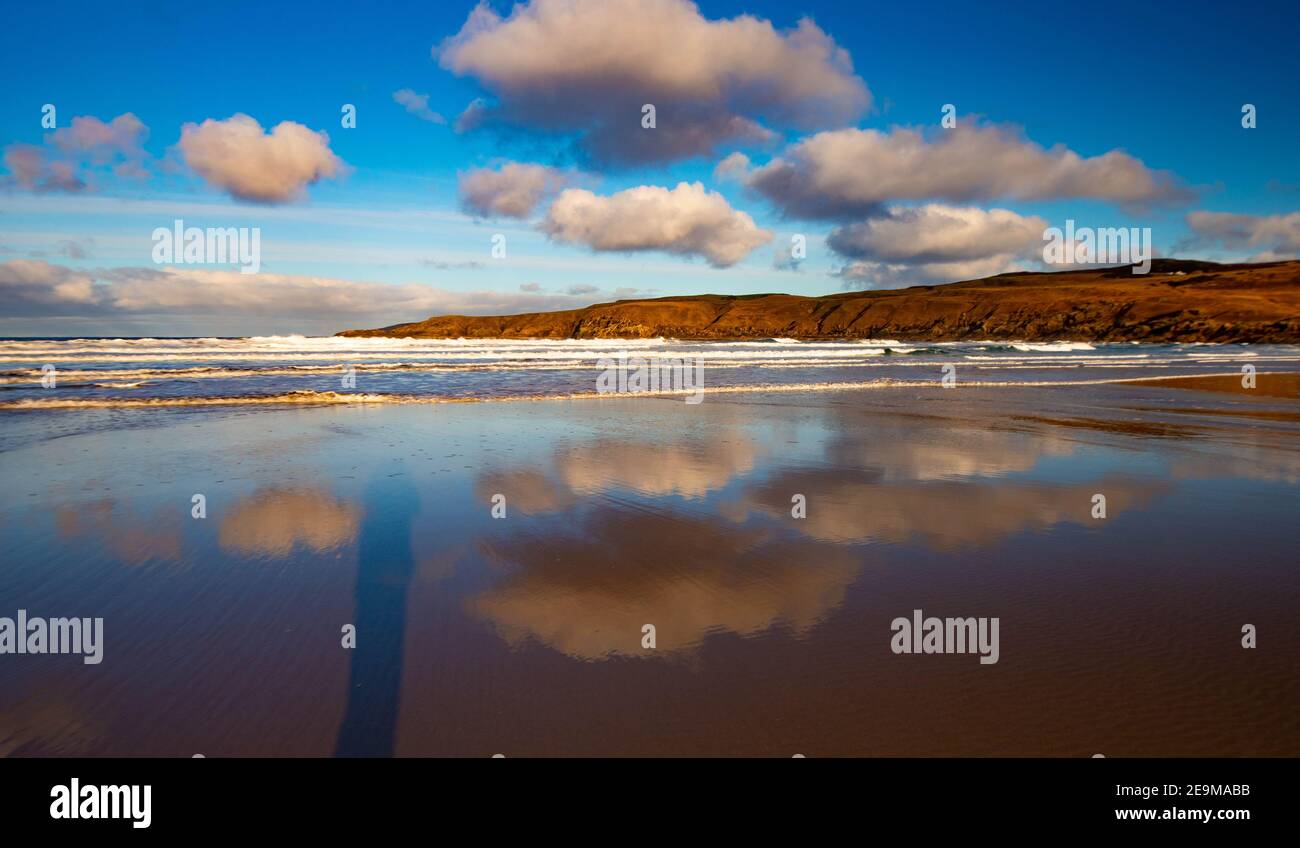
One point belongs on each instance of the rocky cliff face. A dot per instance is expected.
(1179, 301)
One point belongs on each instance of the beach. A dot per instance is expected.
(524, 634)
(642, 381)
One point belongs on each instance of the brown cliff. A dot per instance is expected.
(1178, 301)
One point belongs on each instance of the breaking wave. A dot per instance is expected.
(296, 370)
(309, 397)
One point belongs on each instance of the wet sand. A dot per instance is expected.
(523, 635)
(1283, 385)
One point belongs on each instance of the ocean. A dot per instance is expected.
(271, 370)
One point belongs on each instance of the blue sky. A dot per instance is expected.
(1162, 82)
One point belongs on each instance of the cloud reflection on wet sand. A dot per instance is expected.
(271, 521)
(133, 539)
(704, 567)
(946, 515)
(588, 593)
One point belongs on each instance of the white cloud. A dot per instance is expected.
(888, 275)
(1275, 236)
(511, 191)
(939, 233)
(89, 135)
(936, 244)
(687, 220)
(735, 167)
(590, 65)
(851, 173)
(276, 167)
(31, 168)
(783, 258)
(36, 289)
(418, 105)
(30, 286)
(72, 154)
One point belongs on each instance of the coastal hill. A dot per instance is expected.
(1178, 301)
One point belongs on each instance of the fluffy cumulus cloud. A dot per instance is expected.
(88, 135)
(936, 244)
(236, 156)
(891, 275)
(851, 173)
(1272, 236)
(31, 168)
(511, 191)
(939, 233)
(32, 288)
(734, 168)
(687, 220)
(588, 67)
(74, 156)
(417, 105)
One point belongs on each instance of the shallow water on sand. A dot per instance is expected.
(523, 635)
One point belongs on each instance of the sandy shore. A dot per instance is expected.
(525, 634)
(1286, 385)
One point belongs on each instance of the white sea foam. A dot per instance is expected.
(152, 372)
(1053, 346)
(307, 397)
